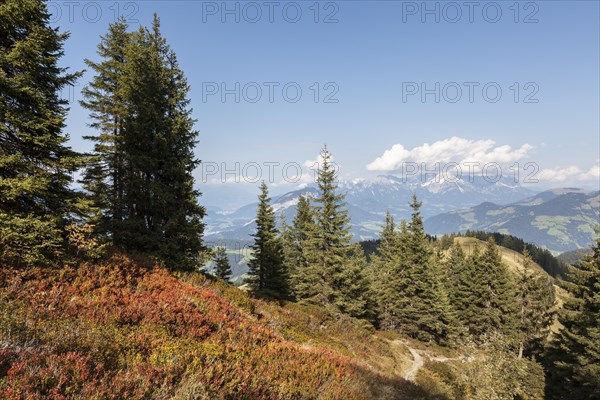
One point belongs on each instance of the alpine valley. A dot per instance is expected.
(560, 219)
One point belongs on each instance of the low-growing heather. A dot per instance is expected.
(117, 329)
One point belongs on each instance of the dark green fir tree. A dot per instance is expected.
(222, 266)
(267, 273)
(305, 280)
(144, 154)
(382, 274)
(103, 97)
(453, 268)
(36, 164)
(486, 297)
(535, 304)
(430, 316)
(335, 261)
(574, 356)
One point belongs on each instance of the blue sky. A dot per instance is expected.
(371, 61)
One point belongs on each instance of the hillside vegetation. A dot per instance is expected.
(120, 330)
(123, 329)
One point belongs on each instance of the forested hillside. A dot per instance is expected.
(543, 257)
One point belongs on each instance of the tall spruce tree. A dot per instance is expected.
(222, 266)
(431, 316)
(381, 273)
(389, 239)
(267, 274)
(574, 356)
(103, 97)
(395, 295)
(407, 282)
(535, 302)
(333, 231)
(499, 290)
(454, 265)
(469, 299)
(485, 298)
(305, 281)
(35, 162)
(328, 247)
(330, 250)
(355, 297)
(145, 148)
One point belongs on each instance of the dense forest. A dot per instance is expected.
(102, 294)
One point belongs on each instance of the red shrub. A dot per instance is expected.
(118, 330)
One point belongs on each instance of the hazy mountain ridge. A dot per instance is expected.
(368, 200)
(559, 219)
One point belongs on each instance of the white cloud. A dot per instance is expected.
(593, 173)
(454, 149)
(311, 167)
(318, 160)
(559, 174)
(571, 173)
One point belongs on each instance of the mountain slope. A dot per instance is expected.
(560, 220)
(123, 328)
(119, 330)
(512, 259)
(368, 200)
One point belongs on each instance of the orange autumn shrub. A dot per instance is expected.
(116, 329)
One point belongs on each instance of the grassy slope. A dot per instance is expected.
(512, 259)
(117, 330)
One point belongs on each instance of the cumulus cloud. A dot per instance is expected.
(559, 174)
(311, 167)
(317, 161)
(454, 149)
(593, 173)
(571, 173)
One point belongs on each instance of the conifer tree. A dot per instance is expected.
(408, 285)
(382, 274)
(535, 301)
(485, 299)
(574, 355)
(305, 281)
(331, 271)
(354, 297)
(103, 97)
(329, 247)
(469, 299)
(499, 290)
(454, 266)
(145, 148)
(393, 294)
(35, 162)
(329, 250)
(222, 267)
(267, 274)
(389, 240)
(430, 316)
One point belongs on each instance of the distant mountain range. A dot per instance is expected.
(368, 200)
(559, 219)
